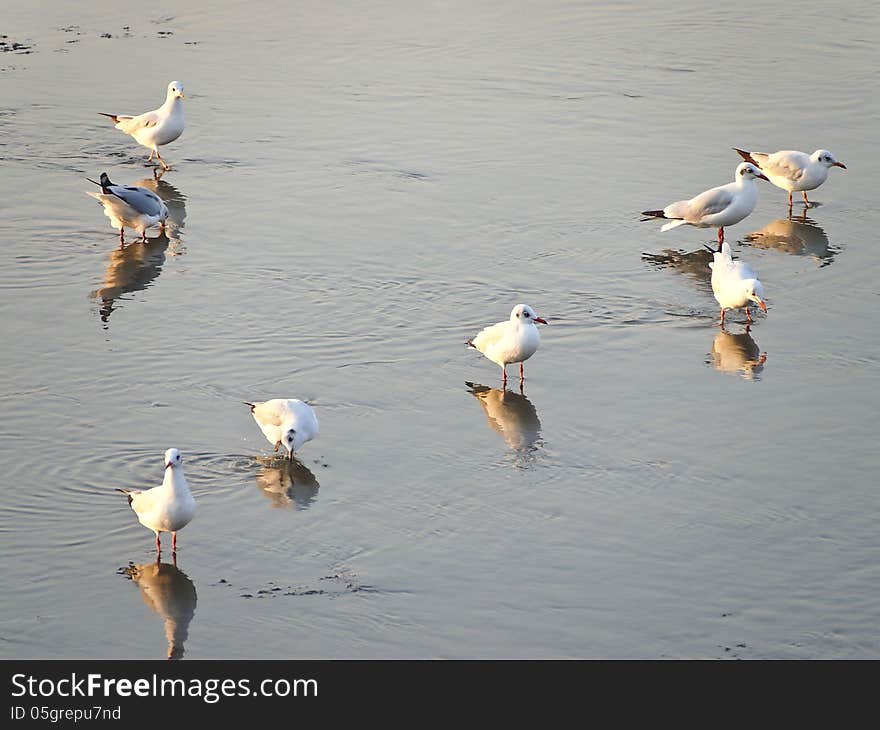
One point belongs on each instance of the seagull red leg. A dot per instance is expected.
(521, 374)
(749, 315)
(504, 376)
(806, 199)
(174, 543)
(158, 545)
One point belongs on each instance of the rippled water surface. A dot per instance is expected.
(361, 187)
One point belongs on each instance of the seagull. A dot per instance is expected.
(514, 340)
(168, 507)
(721, 206)
(290, 422)
(734, 283)
(792, 170)
(158, 127)
(130, 205)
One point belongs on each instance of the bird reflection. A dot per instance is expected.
(799, 236)
(694, 263)
(738, 355)
(134, 267)
(287, 483)
(510, 414)
(170, 593)
(173, 198)
(130, 269)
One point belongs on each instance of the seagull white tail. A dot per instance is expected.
(672, 224)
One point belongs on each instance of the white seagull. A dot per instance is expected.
(735, 283)
(716, 207)
(168, 507)
(514, 340)
(290, 422)
(158, 127)
(130, 206)
(792, 170)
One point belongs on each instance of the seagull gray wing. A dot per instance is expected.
(142, 200)
(709, 203)
(788, 164)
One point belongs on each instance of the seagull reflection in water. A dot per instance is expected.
(799, 236)
(737, 354)
(287, 482)
(510, 414)
(173, 199)
(169, 592)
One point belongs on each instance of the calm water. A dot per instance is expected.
(358, 191)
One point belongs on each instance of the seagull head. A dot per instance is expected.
(824, 157)
(172, 459)
(747, 171)
(755, 293)
(289, 439)
(175, 90)
(524, 314)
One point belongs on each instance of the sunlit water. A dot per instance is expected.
(358, 191)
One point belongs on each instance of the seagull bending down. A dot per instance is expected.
(158, 127)
(168, 507)
(514, 340)
(792, 170)
(716, 207)
(130, 205)
(735, 283)
(290, 422)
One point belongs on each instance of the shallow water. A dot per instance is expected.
(358, 191)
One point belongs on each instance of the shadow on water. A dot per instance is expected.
(169, 592)
(511, 415)
(287, 483)
(135, 266)
(130, 269)
(799, 236)
(737, 355)
(694, 264)
(173, 198)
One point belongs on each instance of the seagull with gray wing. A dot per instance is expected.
(718, 207)
(130, 206)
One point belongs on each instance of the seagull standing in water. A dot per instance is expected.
(514, 340)
(168, 507)
(718, 207)
(734, 283)
(130, 205)
(792, 170)
(288, 422)
(158, 127)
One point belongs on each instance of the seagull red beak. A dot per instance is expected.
(762, 176)
(540, 320)
(763, 305)
(839, 164)
(169, 464)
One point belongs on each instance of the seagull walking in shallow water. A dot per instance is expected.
(514, 340)
(130, 206)
(158, 127)
(792, 170)
(718, 207)
(168, 507)
(734, 283)
(287, 422)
